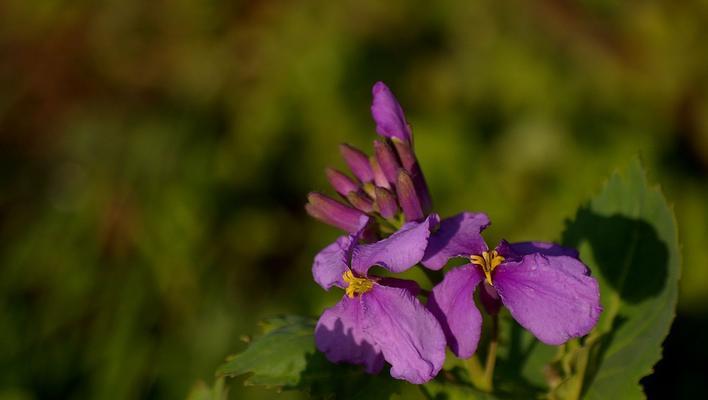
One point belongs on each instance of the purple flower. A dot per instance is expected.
(386, 187)
(391, 123)
(334, 213)
(388, 114)
(379, 319)
(546, 288)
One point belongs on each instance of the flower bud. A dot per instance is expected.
(340, 182)
(386, 203)
(334, 213)
(410, 164)
(358, 162)
(388, 114)
(379, 177)
(407, 197)
(387, 160)
(361, 201)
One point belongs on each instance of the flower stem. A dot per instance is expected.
(434, 277)
(576, 389)
(475, 371)
(481, 377)
(491, 354)
(581, 365)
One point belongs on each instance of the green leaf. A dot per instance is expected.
(627, 234)
(277, 358)
(285, 357)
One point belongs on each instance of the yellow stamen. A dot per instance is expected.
(356, 285)
(488, 261)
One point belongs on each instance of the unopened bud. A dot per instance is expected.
(334, 213)
(408, 198)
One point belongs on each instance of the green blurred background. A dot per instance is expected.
(155, 157)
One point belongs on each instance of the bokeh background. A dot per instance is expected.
(155, 157)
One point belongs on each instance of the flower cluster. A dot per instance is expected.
(388, 222)
(381, 183)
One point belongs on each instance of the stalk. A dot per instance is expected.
(491, 355)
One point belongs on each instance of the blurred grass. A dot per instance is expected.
(155, 157)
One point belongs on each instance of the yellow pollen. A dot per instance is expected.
(356, 285)
(488, 261)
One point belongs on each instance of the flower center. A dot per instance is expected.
(356, 285)
(488, 261)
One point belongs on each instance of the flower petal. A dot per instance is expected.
(411, 286)
(340, 335)
(458, 236)
(331, 263)
(452, 303)
(388, 114)
(521, 249)
(548, 297)
(397, 252)
(408, 335)
(515, 251)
